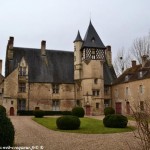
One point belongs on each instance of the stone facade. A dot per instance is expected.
(58, 81)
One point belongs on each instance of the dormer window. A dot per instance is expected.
(93, 40)
(126, 78)
(22, 71)
(140, 74)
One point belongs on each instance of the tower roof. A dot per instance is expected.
(78, 38)
(92, 39)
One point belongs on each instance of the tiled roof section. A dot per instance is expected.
(78, 38)
(109, 74)
(92, 39)
(55, 67)
(133, 73)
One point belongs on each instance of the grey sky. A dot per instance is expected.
(118, 22)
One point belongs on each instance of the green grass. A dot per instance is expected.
(88, 126)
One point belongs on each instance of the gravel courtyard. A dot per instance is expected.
(29, 133)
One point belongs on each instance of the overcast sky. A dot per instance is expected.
(118, 22)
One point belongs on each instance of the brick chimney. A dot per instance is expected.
(133, 63)
(144, 60)
(43, 48)
(108, 55)
(0, 66)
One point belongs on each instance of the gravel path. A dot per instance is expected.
(29, 133)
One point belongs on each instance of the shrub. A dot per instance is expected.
(68, 122)
(2, 110)
(7, 132)
(109, 111)
(115, 121)
(78, 111)
(38, 113)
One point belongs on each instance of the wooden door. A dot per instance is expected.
(11, 111)
(118, 108)
(88, 110)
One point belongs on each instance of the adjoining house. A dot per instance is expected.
(132, 89)
(59, 80)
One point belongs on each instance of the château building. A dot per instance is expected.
(56, 80)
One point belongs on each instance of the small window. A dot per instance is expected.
(93, 40)
(22, 71)
(78, 102)
(22, 87)
(106, 90)
(96, 81)
(116, 93)
(97, 105)
(55, 88)
(126, 78)
(95, 92)
(12, 102)
(140, 74)
(127, 91)
(141, 89)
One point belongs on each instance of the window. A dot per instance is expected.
(78, 102)
(55, 88)
(93, 40)
(116, 93)
(21, 104)
(127, 91)
(141, 89)
(96, 81)
(22, 71)
(97, 105)
(93, 54)
(140, 74)
(141, 105)
(126, 78)
(95, 92)
(55, 105)
(22, 87)
(107, 102)
(12, 102)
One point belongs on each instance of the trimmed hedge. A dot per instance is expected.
(39, 113)
(46, 113)
(68, 122)
(109, 111)
(7, 132)
(115, 121)
(2, 110)
(78, 111)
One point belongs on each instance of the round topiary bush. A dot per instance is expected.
(7, 132)
(115, 121)
(2, 110)
(39, 113)
(68, 122)
(109, 111)
(78, 111)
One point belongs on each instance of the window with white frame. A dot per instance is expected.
(141, 89)
(95, 92)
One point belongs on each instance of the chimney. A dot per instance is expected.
(11, 42)
(133, 63)
(43, 47)
(144, 60)
(0, 66)
(108, 55)
(10, 48)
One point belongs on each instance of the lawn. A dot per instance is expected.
(88, 126)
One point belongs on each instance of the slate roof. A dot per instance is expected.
(78, 38)
(55, 67)
(92, 39)
(133, 73)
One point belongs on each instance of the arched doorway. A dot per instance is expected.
(11, 111)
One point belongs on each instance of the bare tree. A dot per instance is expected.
(140, 47)
(142, 118)
(122, 61)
